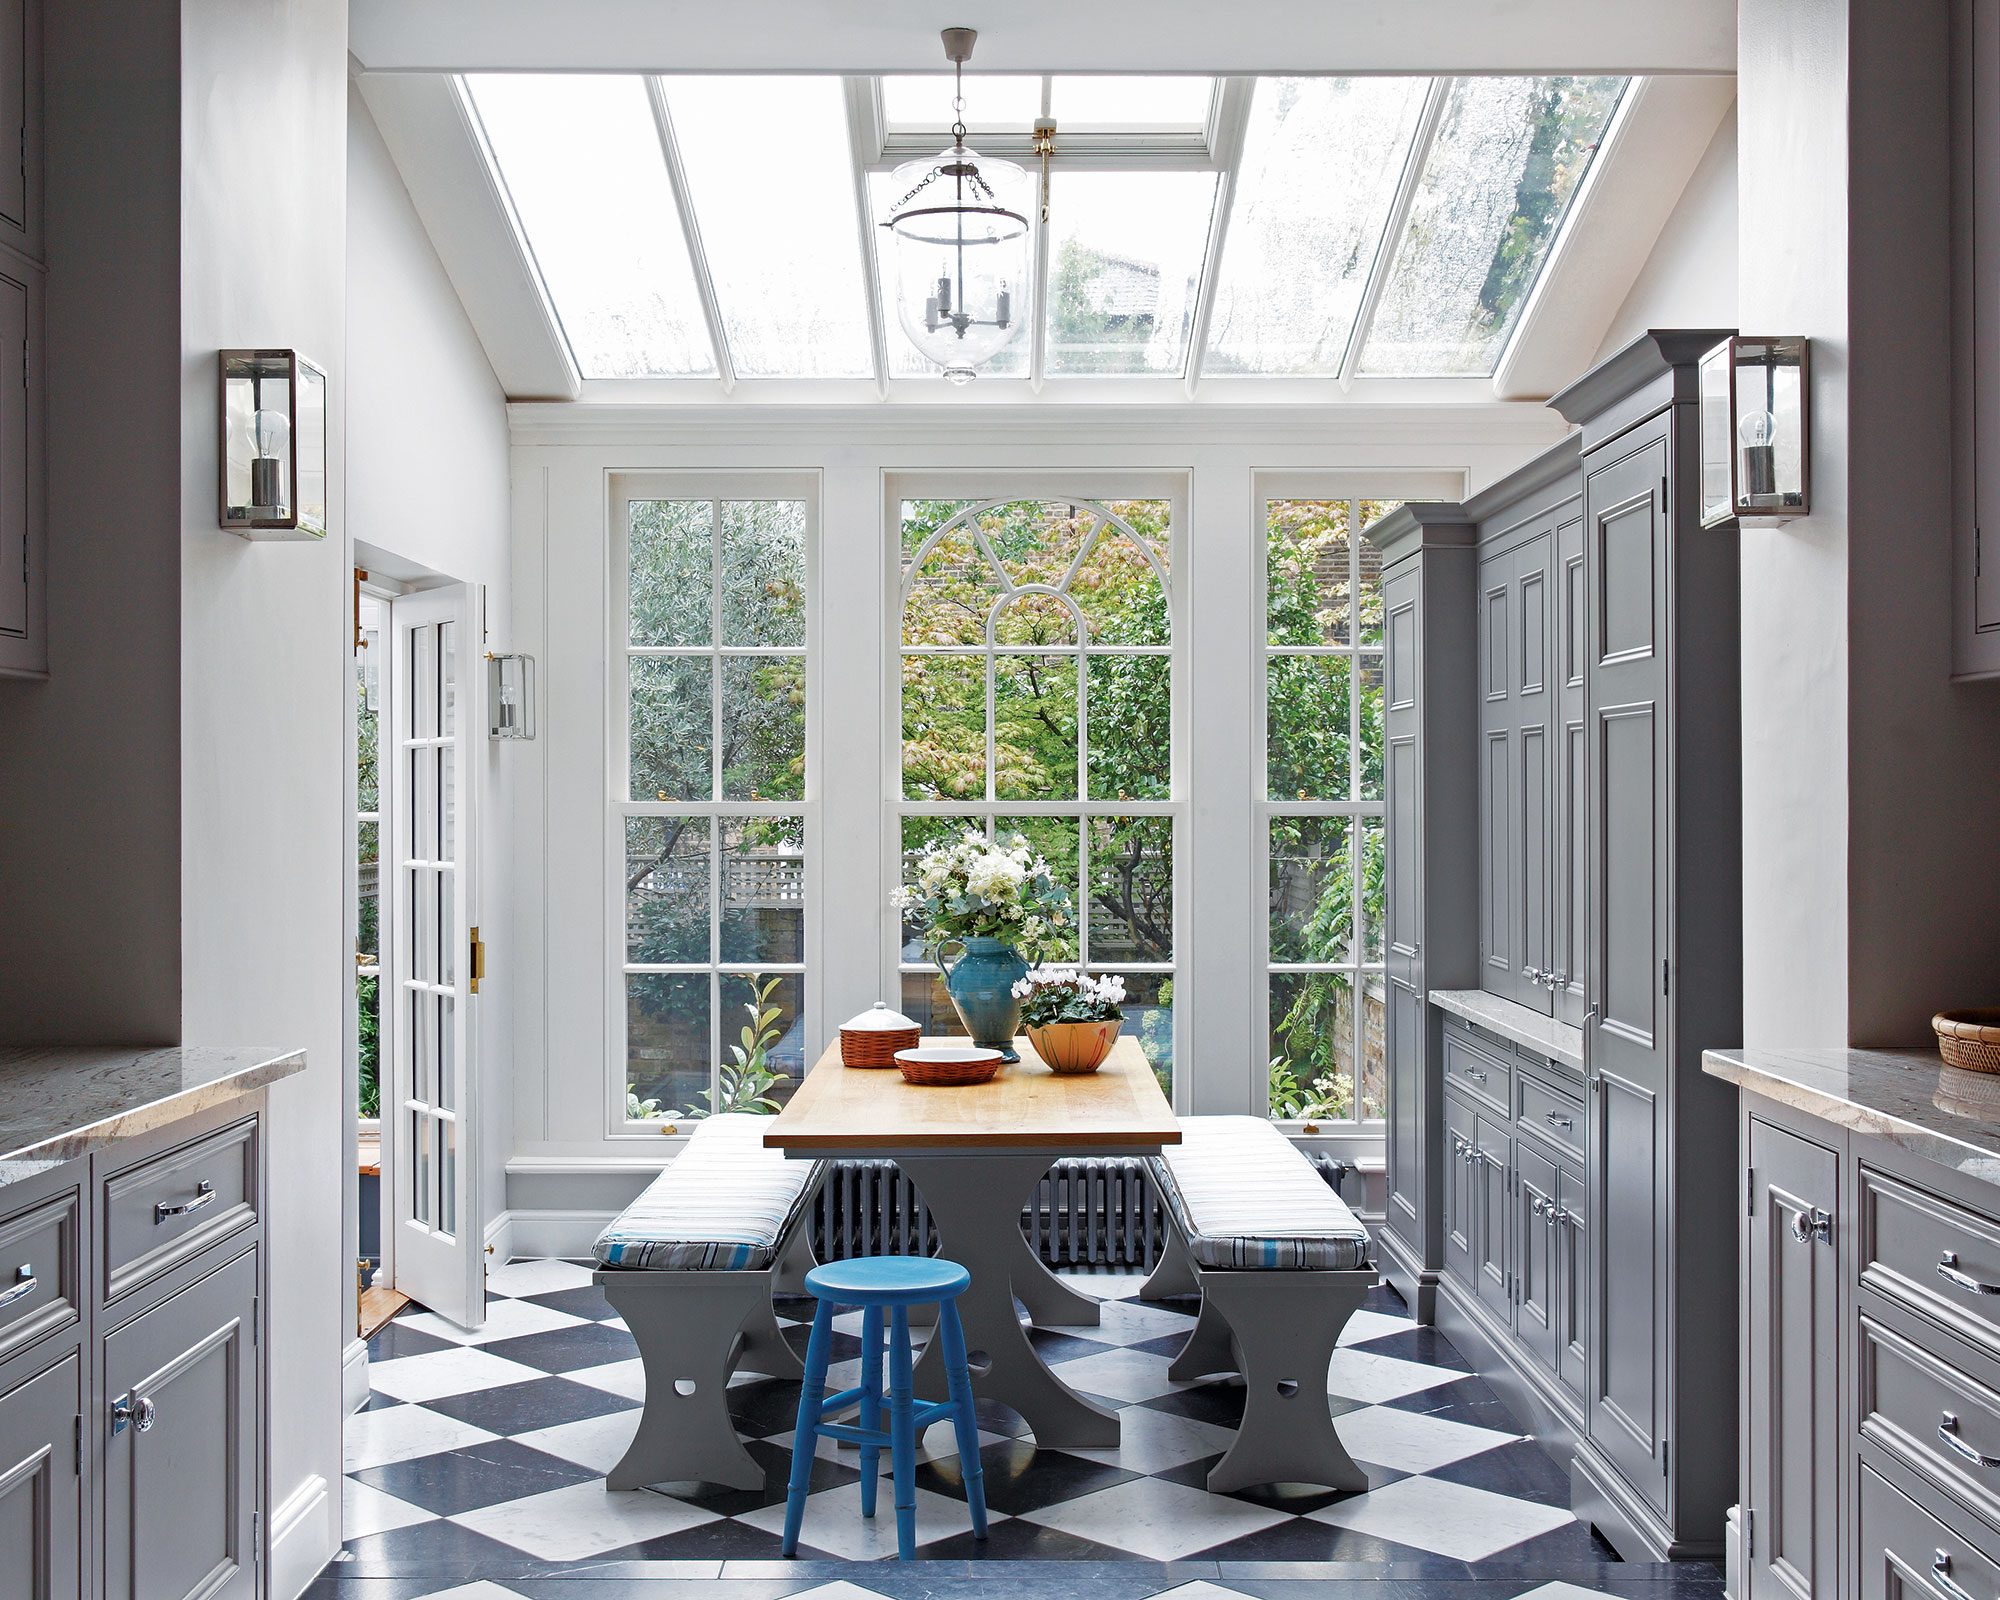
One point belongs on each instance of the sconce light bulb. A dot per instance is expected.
(271, 431)
(1757, 428)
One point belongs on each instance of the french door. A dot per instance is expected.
(429, 1104)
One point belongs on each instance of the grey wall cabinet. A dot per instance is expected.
(1976, 315)
(1429, 938)
(23, 518)
(1571, 890)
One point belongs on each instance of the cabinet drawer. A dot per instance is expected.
(1478, 1074)
(1942, 1424)
(1907, 1551)
(168, 1209)
(1554, 1116)
(1932, 1255)
(38, 1270)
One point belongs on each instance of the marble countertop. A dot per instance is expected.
(1556, 1040)
(1909, 1097)
(58, 1102)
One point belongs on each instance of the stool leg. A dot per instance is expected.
(964, 1418)
(902, 1434)
(806, 1436)
(871, 1404)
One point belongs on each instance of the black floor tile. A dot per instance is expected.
(397, 1338)
(523, 1407)
(1523, 1470)
(588, 1344)
(1017, 1541)
(1056, 1348)
(1298, 1498)
(1303, 1539)
(1220, 1403)
(587, 1301)
(777, 1465)
(478, 1475)
(764, 1406)
(722, 1540)
(434, 1548)
(1018, 1477)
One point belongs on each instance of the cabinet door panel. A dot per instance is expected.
(1573, 1269)
(41, 1496)
(1571, 785)
(1794, 1319)
(1405, 1024)
(15, 612)
(1628, 1390)
(1461, 1127)
(179, 1496)
(1499, 968)
(1533, 865)
(1535, 1204)
(1493, 1256)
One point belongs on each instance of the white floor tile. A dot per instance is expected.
(1201, 1589)
(583, 1520)
(627, 1378)
(483, 1589)
(1447, 1519)
(1119, 1375)
(438, 1373)
(505, 1319)
(1563, 1591)
(1365, 1325)
(1132, 1322)
(938, 1442)
(1363, 1375)
(1410, 1441)
(840, 1590)
(834, 1522)
(1153, 1518)
(365, 1510)
(544, 1276)
(598, 1443)
(1153, 1441)
(402, 1433)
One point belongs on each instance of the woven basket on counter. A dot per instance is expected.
(873, 1038)
(1969, 1039)
(948, 1066)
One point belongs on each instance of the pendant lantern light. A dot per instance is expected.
(963, 245)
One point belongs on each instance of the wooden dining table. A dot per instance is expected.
(976, 1154)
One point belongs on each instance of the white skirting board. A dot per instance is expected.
(551, 1233)
(354, 1377)
(305, 1535)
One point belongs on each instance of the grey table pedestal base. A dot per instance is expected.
(976, 1202)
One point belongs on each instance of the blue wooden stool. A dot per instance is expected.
(897, 1283)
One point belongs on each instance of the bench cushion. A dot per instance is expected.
(726, 1203)
(1245, 1197)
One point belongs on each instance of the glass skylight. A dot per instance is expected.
(772, 186)
(1508, 156)
(992, 100)
(1322, 158)
(582, 163)
(1125, 260)
(1130, 104)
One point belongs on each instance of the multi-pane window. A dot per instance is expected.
(1037, 699)
(1323, 807)
(713, 819)
(367, 856)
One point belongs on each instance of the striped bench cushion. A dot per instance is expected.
(1244, 1197)
(726, 1203)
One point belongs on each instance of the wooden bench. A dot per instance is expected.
(691, 1266)
(1280, 1264)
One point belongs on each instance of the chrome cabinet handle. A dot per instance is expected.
(1810, 1225)
(1539, 1206)
(1558, 1215)
(1557, 1119)
(204, 1194)
(24, 1285)
(125, 1410)
(1941, 1575)
(1475, 1074)
(1948, 1435)
(1947, 1269)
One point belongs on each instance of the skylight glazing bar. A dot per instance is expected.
(863, 144)
(711, 315)
(1225, 133)
(1392, 231)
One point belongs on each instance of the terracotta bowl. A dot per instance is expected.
(947, 1066)
(1074, 1047)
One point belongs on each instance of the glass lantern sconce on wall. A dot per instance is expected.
(510, 697)
(1756, 432)
(272, 447)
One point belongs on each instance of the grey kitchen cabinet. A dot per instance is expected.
(1429, 938)
(41, 1487)
(1975, 162)
(1461, 1190)
(23, 519)
(1537, 1198)
(1493, 1237)
(1792, 1395)
(1571, 889)
(1573, 1273)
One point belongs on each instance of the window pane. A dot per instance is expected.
(580, 157)
(1131, 889)
(926, 1002)
(666, 1043)
(1035, 619)
(1307, 574)
(1368, 714)
(1373, 863)
(1306, 728)
(951, 594)
(670, 728)
(666, 889)
(1312, 1045)
(905, 359)
(1369, 631)
(1374, 1050)
(769, 174)
(1131, 728)
(1034, 728)
(763, 728)
(447, 1037)
(671, 559)
(764, 572)
(367, 926)
(763, 1040)
(1130, 104)
(1117, 588)
(1508, 156)
(1055, 841)
(763, 889)
(1312, 889)
(918, 834)
(423, 887)
(1149, 1018)
(944, 727)
(992, 100)
(1321, 161)
(1124, 268)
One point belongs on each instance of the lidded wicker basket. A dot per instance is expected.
(1969, 1039)
(873, 1038)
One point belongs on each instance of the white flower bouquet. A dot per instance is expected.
(1050, 995)
(969, 888)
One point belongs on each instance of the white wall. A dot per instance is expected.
(1689, 280)
(427, 480)
(265, 839)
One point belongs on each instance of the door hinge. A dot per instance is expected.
(1663, 491)
(1749, 1531)
(1749, 1191)
(257, 1320)
(1978, 547)
(1663, 977)
(76, 1458)
(478, 958)
(257, 1538)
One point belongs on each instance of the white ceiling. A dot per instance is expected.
(1202, 36)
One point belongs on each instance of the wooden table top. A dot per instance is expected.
(1026, 1107)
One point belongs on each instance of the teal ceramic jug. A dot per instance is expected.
(981, 984)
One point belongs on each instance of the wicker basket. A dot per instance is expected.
(947, 1066)
(1969, 1039)
(873, 1038)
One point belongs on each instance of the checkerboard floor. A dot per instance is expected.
(481, 1455)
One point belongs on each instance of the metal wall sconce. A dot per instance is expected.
(1756, 431)
(272, 445)
(510, 697)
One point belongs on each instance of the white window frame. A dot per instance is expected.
(622, 489)
(1005, 488)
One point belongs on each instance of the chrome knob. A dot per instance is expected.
(137, 1413)
(1815, 1224)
